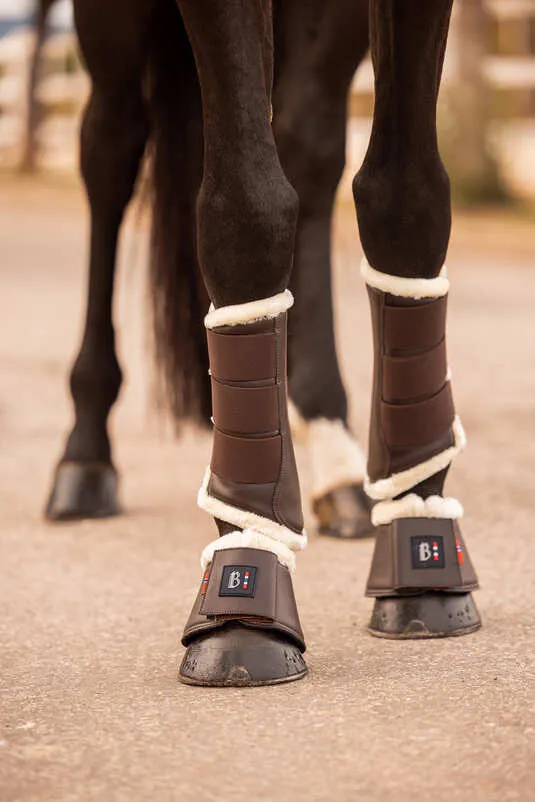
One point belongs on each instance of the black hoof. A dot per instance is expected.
(83, 490)
(344, 512)
(236, 656)
(429, 615)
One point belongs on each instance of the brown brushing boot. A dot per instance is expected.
(421, 574)
(244, 628)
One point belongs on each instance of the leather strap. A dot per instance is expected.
(418, 423)
(250, 410)
(242, 358)
(247, 585)
(250, 460)
(407, 378)
(420, 554)
(418, 326)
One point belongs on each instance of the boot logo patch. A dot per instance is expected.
(238, 580)
(427, 552)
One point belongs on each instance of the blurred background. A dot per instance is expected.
(487, 110)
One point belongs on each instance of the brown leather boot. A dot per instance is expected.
(421, 573)
(244, 628)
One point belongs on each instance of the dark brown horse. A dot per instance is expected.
(217, 171)
(157, 91)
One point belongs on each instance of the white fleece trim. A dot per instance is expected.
(248, 520)
(263, 309)
(412, 506)
(401, 482)
(405, 287)
(249, 540)
(336, 458)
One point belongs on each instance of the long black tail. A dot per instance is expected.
(179, 299)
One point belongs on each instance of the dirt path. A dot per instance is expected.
(90, 708)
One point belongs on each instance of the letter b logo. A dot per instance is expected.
(234, 580)
(424, 552)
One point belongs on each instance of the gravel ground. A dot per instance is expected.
(90, 707)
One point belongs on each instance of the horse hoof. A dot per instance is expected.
(344, 513)
(83, 490)
(428, 615)
(236, 656)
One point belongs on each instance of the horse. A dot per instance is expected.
(309, 127)
(198, 78)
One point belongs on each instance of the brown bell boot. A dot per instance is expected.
(421, 573)
(244, 627)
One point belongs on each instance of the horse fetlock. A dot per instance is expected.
(344, 512)
(95, 382)
(96, 377)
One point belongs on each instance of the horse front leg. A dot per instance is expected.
(113, 138)
(244, 628)
(319, 46)
(421, 574)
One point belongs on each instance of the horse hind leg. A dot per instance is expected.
(28, 159)
(315, 66)
(421, 574)
(113, 138)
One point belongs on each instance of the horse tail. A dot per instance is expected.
(178, 296)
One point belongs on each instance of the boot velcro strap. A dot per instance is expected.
(419, 326)
(245, 410)
(407, 378)
(419, 422)
(248, 585)
(246, 459)
(243, 357)
(420, 554)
